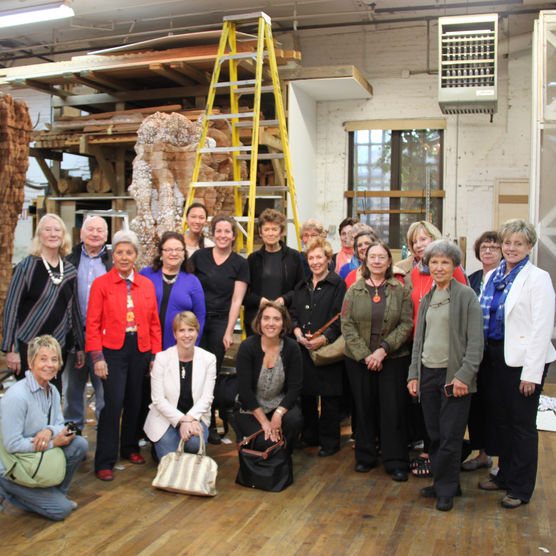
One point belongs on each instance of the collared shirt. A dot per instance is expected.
(89, 269)
(41, 395)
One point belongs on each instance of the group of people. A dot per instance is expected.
(153, 343)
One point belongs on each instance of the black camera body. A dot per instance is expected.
(72, 427)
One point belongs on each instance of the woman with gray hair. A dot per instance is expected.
(123, 331)
(447, 351)
(518, 310)
(32, 422)
(42, 298)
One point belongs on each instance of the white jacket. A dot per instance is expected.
(528, 322)
(165, 390)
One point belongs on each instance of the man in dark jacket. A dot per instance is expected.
(92, 259)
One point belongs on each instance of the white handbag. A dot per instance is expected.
(187, 473)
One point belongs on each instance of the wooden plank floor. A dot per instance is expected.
(329, 509)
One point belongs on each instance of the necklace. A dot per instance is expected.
(56, 281)
(376, 297)
(169, 280)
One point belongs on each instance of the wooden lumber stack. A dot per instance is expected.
(15, 134)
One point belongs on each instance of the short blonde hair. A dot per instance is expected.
(188, 318)
(312, 224)
(65, 246)
(319, 242)
(429, 229)
(518, 226)
(44, 341)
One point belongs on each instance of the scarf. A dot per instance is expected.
(501, 283)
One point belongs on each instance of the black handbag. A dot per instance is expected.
(270, 470)
(225, 391)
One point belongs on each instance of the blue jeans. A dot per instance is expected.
(171, 438)
(75, 381)
(50, 502)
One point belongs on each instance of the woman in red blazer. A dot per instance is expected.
(123, 331)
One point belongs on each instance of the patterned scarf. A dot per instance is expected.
(498, 282)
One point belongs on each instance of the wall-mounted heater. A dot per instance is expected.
(467, 64)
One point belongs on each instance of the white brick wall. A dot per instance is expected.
(486, 151)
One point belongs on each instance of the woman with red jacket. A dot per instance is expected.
(123, 330)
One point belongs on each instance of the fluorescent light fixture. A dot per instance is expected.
(35, 14)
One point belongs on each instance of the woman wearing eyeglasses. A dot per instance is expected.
(176, 288)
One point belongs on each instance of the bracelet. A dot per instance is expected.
(279, 411)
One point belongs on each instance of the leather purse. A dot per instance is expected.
(187, 473)
(330, 353)
(270, 469)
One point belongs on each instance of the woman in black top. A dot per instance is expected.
(315, 302)
(224, 276)
(270, 376)
(274, 269)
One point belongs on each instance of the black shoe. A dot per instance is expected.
(444, 503)
(429, 492)
(325, 453)
(364, 468)
(214, 437)
(399, 475)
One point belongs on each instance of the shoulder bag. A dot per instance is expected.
(34, 469)
(187, 473)
(270, 470)
(330, 353)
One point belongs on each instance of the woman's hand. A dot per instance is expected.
(63, 438)
(375, 359)
(316, 343)
(276, 423)
(270, 430)
(460, 388)
(228, 340)
(41, 440)
(412, 387)
(300, 337)
(189, 429)
(80, 359)
(13, 360)
(101, 369)
(527, 388)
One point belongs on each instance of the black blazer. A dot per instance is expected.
(292, 273)
(249, 362)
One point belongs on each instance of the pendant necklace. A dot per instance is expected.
(182, 369)
(169, 280)
(376, 297)
(56, 281)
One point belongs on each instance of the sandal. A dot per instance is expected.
(422, 468)
(416, 462)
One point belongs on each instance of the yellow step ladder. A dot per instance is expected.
(227, 52)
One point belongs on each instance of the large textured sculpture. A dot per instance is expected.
(165, 148)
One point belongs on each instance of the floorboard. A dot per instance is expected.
(329, 510)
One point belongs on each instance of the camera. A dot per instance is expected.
(72, 427)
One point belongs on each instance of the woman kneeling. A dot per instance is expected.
(182, 385)
(32, 421)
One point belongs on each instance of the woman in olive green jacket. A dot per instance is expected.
(377, 324)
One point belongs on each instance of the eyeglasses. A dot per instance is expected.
(178, 251)
(490, 248)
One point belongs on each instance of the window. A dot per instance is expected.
(395, 179)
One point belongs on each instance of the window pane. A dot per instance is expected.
(420, 159)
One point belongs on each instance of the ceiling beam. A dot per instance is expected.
(43, 87)
(169, 73)
(192, 72)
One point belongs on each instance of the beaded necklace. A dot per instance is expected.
(55, 281)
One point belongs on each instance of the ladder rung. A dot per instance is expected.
(262, 156)
(247, 90)
(230, 116)
(236, 83)
(261, 122)
(225, 149)
(220, 183)
(240, 56)
(267, 189)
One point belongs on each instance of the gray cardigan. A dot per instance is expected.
(21, 418)
(466, 336)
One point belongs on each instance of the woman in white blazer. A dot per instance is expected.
(518, 312)
(182, 385)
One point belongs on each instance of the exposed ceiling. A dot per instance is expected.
(109, 23)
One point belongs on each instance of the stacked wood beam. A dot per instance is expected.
(15, 134)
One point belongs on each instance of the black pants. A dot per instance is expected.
(57, 380)
(446, 419)
(123, 389)
(323, 430)
(384, 391)
(292, 423)
(516, 425)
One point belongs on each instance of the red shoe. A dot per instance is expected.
(105, 475)
(136, 458)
